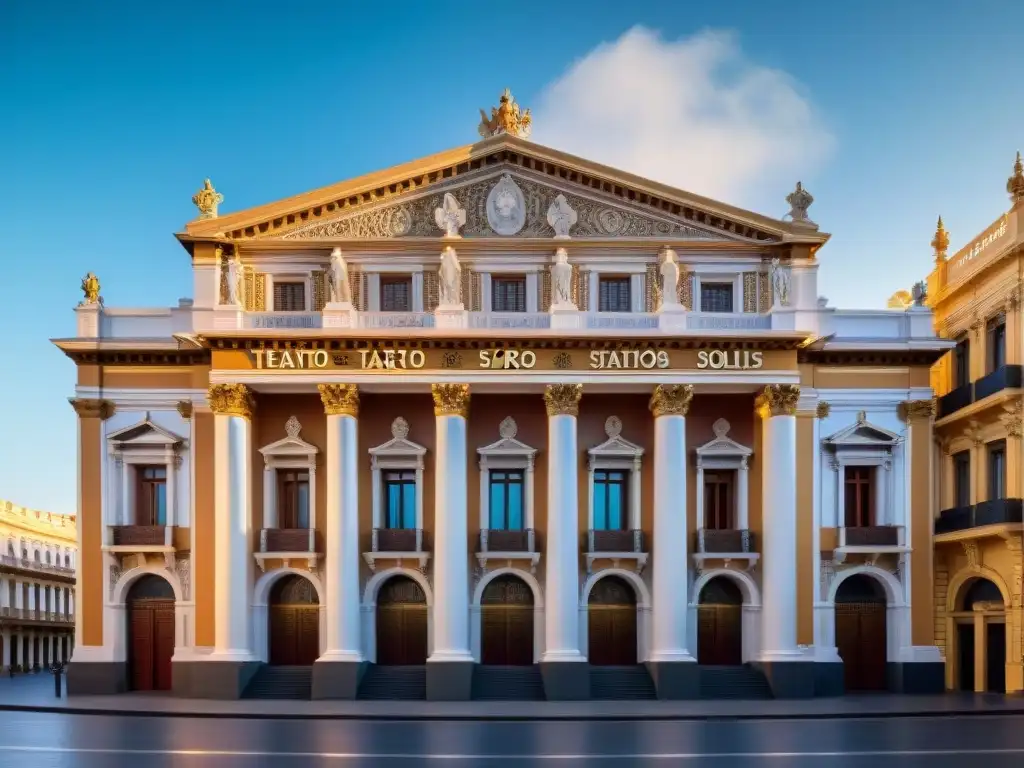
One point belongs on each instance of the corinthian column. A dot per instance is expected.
(233, 406)
(562, 665)
(450, 666)
(336, 673)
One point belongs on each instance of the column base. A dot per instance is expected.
(212, 679)
(675, 679)
(565, 680)
(788, 679)
(829, 678)
(97, 678)
(337, 679)
(916, 677)
(449, 680)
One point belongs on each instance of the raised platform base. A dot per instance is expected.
(916, 677)
(675, 679)
(449, 680)
(97, 678)
(789, 679)
(565, 680)
(337, 679)
(829, 678)
(212, 679)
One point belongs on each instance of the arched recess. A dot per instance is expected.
(750, 610)
(643, 608)
(115, 611)
(370, 592)
(150, 633)
(612, 622)
(506, 622)
(977, 653)
(261, 606)
(720, 623)
(476, 627)
(401, 622)
(293, 622)
(860, 628)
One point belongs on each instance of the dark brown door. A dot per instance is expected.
(150, 634)
(506, 622)
(720, 623)
(401, 623)
(611, 623)
(294, 618)
(861, 633)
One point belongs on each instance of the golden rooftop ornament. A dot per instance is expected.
(206, 200)
(91, 289)
(1015, 184)
(505, 118)
(941, 241)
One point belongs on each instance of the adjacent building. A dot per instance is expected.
(504, 422)
(979, 562)
(37, 587)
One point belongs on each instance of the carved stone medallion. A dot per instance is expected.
(506, 207)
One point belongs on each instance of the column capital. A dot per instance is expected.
(92, 408)
(563, 399)
(231, 400)
(185, 409)
(671, 400)
(916, 410)
(450, 399)
(778, 400)
(823, 410)
(340, 399)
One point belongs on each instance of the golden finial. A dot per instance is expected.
(900, 300)
(1015, 184)
(506, 118)
(91, 289)
(206, 200)
(941, 241)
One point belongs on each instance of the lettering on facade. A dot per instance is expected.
(731, 360)
(968, 254)
(630, 359)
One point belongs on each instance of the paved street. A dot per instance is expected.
(81, 741)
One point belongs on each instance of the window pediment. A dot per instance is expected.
(144, 435)
(291, 446)
(616, 446)
(722, 447)
(507, 447)
(862, 434)
(399, 447)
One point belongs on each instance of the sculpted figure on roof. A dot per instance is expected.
(505, 118)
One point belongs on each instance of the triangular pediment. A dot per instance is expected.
(721, 445)
(145, 433)
(862, 433)
(291, 445)
(399, 444)
(616, 445)
(400, 202)
(507, 444)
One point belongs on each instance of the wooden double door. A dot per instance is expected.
(150, 604)
(506, 622)
(611, 623)
(294, 623)
(401, 623)
(860, 641)
(720, 623)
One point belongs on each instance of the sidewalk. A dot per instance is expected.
(35, 694)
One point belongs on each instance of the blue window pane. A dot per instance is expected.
(409, 506)
(302, 506)
(497, 506)
(394, 498)
(515, 507)
(161, 503)
(615, 507)
(600, 508)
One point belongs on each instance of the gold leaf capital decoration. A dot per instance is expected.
(206, 200)
(778, 400)
(185, 408)
(823, 410)
(92, 408)
(916, 410)
(232, 400)
(340, 399)
(671, 399)
(450, 399)
(563, 399)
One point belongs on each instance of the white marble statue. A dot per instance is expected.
(236, 281)
(669, 270)
(450, 282)
(339, 290)
(450, 216)
(561, 281)
(561, 217)
(780, 282)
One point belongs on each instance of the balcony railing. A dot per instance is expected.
(953, 401)
(724, 542)
(870, 536)
(615, 541)
(1004, 377)
(141, 535)
(993, 512)
(288, 540)
(34, 614)
(397, 540)
(31, 565)
(494, 540)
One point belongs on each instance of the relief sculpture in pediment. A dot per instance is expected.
(502, 206)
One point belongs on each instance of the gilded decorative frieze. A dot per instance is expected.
(563, 399)
(476, 292)
(184, 408)
(652, 288)
(232, 400)
(671, 399)
(823, 410)
(544, 291)
(750, 291)
(684, 289)
(92, 408)
(1012, 419)
(450, 399)
(340, 399)
(431, 291)
(319, 290)
(778, 400)
(764, 293)
(582, 287)
(916, 410)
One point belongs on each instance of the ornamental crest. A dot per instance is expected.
(506, 207)
(505, 118)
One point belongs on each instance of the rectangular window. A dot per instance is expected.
(293, 498)
(289, 296)
(611, 510)
(395, 294)
(962, 479)
(508, 294)
(613, 294)
(859, 501)
(716, 297)
(962, 363)
(996, 342)
(400, 500)
(718, 496)
(997, 470)
(506, 500)
(151, 501)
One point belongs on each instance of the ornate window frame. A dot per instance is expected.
(507, 453)
(397, 453)
(290, 452)
(722, 452)
(616, 453)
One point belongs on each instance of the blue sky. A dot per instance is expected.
(889, 112)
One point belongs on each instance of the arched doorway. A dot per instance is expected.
(611, 623)
(982, 611)
(401, 622)
(150, 604)
(294, 618)
(861, 637)
(506, 622)
(720, 623)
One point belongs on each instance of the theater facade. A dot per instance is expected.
(504, 423)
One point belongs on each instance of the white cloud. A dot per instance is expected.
(692, 113)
